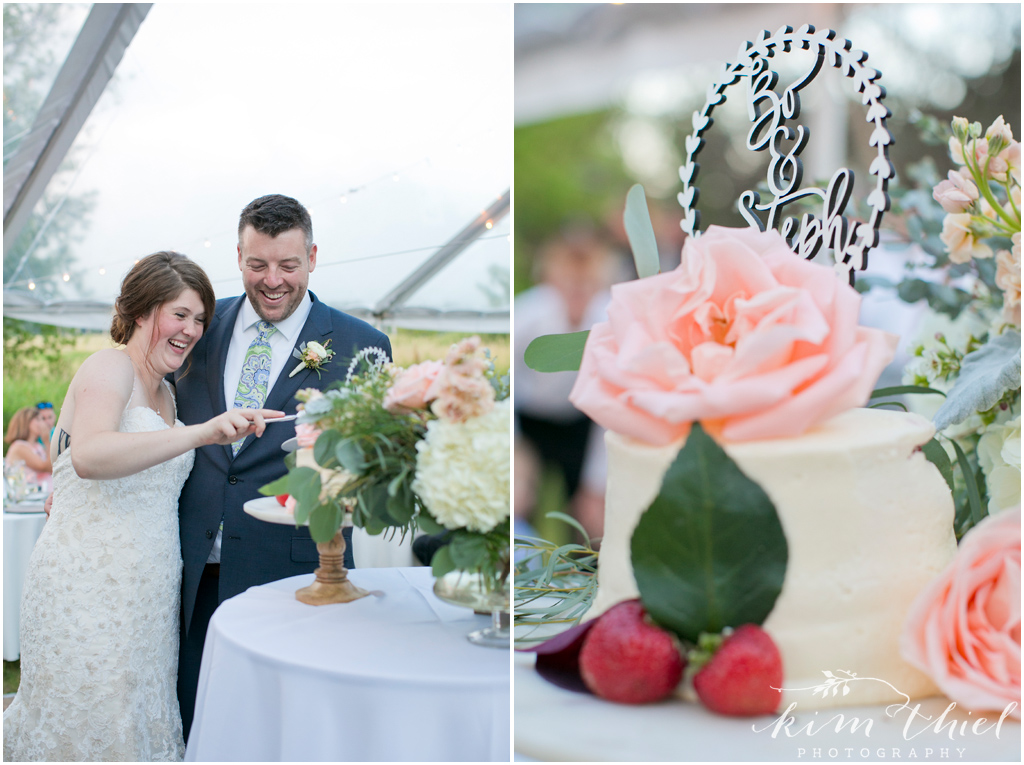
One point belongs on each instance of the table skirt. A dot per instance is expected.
(390, 677)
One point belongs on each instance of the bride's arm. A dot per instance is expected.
(101, 389)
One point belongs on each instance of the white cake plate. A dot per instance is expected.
(553, 724)
(291, 445)
(270, 510)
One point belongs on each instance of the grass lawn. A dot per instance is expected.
(12, 675)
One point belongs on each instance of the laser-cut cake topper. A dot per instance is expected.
(769, 112)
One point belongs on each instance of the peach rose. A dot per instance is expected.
(963, 630)
(744, 336)
(306, 434)
(411, 389)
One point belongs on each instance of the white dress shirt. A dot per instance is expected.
(281, 359)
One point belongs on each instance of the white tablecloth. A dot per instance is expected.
(21, 530)
(384, 678)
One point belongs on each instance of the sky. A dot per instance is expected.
(392, 124)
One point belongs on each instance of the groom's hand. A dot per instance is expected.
(236, 424)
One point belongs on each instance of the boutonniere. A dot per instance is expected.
(312, 355)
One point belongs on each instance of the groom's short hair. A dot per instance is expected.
(274, 214)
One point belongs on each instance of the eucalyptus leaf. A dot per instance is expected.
(427, 523)
(940, 297)
(936, 455)
(325, 521)
(985, 376)
(710, 551)
(556, 353)
(323, 449)
(442, 562)
(571, 521)
(640, 232)
(274, 488)
(350, 456)
(468, 551)
(304, 485)
(375, 499)
(400, 505)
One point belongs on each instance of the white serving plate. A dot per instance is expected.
(270, 510)
(291, 445)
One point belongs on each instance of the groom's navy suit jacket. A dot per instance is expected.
(252, 552)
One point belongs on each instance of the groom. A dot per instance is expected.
(225, 551)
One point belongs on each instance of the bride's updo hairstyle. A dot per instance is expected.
(153, 281)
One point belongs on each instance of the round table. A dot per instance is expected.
(21, 530)
(389, 677)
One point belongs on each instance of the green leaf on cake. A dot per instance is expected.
(936, 455)
(985, 376)
(710, 551)
(898, 390)
(640, 232)
(978, 510)
(556, 353)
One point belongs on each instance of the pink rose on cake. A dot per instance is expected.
(306, 434)
(963, 630)
(744, 336)
(412, 387)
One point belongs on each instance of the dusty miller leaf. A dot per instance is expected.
(985, 376)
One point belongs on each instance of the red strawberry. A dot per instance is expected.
(628, 659)
(281, 499)
(742, 675)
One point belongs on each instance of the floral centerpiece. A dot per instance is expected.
(964, 630)
(406, 449)
(969, 344)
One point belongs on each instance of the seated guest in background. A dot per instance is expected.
(29, 437)
(48, 414)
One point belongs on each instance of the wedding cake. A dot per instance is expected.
(868, 521)
(764, 349)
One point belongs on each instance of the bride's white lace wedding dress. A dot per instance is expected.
(99, 618)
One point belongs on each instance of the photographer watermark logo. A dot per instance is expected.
(921, 731)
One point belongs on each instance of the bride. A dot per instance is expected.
(100, 609)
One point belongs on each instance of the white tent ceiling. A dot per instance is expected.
(391, 124)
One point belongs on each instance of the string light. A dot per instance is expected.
(343, 198)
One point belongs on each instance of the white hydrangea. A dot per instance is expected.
(463, 471)
(999, 457)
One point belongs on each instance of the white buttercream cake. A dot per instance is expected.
(868, 522)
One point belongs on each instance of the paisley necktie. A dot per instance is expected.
(252, 385)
